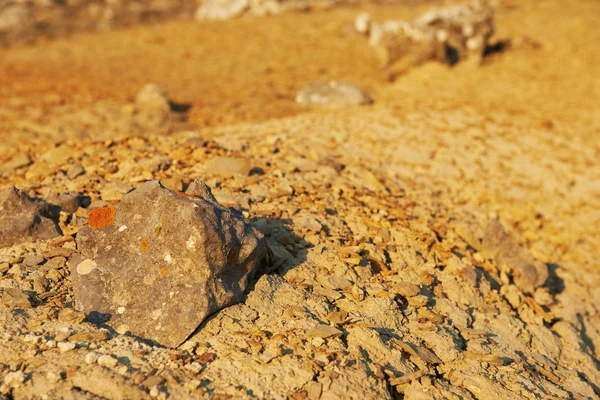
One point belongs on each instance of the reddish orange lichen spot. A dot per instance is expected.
(164, 272)
(184, 194)
(144, 247)
(101, 217)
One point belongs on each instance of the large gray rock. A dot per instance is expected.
(163, 261)
(23, 218)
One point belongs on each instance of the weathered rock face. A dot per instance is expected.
(445, 34)
(332, 93)
(163, 261)
(23, 218)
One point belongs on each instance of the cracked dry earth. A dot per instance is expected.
(402, 232)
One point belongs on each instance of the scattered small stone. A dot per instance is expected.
(31, 260)
(421, 352)
(14, 379)
(406, 289)
(71, 316)
(65, 346)
(23, 218)
(88, 337)
(107, 361)
(324, 331)
(91, 357)
(153, 381)
(162, 294)
(14, 298)
(221, 9)
(53, 377)
(332, 93)
(152, 107)
(75, 170)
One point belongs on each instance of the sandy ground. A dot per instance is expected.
(362, 205)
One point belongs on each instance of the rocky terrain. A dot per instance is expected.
(434, 236)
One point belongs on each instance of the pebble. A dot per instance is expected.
(88, 337)
(65, 346)
(107, 361)
(75, 170)
(31, 260)
(91, 357)
(323, 331)
(14, 379)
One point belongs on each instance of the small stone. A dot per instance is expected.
(53, 377)
(91, 357)
(23, 218)
(221, 9)
(88, 337)
(68, 202)
(75, 170)
(332, 93)
(153, 381)
(14, 379)
(65, 346)
(31, 260)
(323, 331)
(406, 289)
(107, 361)
(4, 267)
(14, 298)
(152, 107)
(334, 282)
(71, 316)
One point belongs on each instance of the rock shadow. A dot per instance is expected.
(285, 251)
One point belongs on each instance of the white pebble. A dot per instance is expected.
(14, 379)
(65, 346)
(107, 361)
(91, 357)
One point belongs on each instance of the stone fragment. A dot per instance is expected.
(68, 202)
(166, 261)
(71, 316)
(91, 357)
(106, 360)
(332, 93)
(31, 260)
(23, 218)
(14, 298)
(323, 331)
(65, 346)
(75, 170)
(152, 107)
(88, 337)
(421, 352)
(528, 273)
(221, 9)
(14, 379)
(444, 34)
(406, 289)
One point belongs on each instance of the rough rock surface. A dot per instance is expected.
(332, 93)
(369, 212)
(163, 261)
(444, 34)
(23, 218)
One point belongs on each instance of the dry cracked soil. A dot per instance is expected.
(441, 242)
